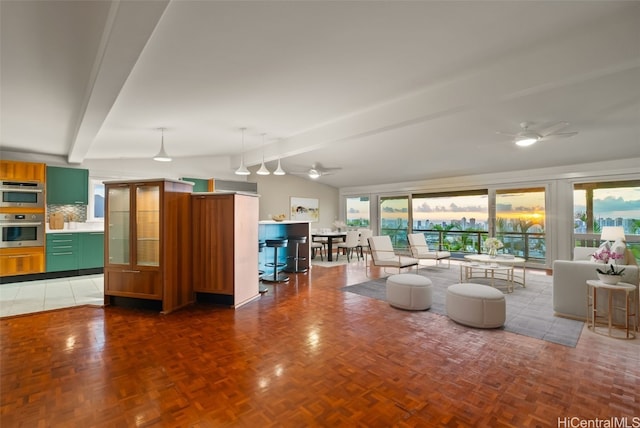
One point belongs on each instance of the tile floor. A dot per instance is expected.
(35, 296)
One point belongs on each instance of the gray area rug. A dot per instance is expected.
(529, 310)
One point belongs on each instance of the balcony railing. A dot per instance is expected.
(530, 246)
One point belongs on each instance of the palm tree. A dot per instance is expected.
(501, 224)
(443, 232)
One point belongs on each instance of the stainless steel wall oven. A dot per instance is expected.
(23, 194)
(22, 230)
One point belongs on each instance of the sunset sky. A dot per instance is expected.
(611, 203)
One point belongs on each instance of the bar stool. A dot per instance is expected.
(276, 277)
(296, 257)
(261, 245)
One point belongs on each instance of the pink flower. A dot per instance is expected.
(615, 256)
(606, 255)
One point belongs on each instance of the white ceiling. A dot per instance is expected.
(390, 91)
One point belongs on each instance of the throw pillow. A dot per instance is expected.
(619, 248)
(602, 253)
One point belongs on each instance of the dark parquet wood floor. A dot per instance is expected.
(305, 354)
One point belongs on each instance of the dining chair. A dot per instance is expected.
(317, 247)
(349, 245)
(363, 241)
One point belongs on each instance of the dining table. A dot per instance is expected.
(330, 237)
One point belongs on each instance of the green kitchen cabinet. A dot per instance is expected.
(67, 186)
(62, 252)
(91, 250)
(199, 184)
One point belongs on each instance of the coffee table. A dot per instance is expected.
(492, 271)
(503, 261)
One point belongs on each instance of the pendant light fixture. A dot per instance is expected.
(162, 156)
(279, 170)
(242, 170)
(263, 169)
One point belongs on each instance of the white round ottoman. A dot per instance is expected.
(476, 305)
(409, 291)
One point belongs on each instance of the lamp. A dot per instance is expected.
(612, 233)
(242, 170)
(279, 170)
(314, 173)
(263, 169)
(162, 156)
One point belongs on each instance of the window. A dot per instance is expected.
(614, 203)
(520, 222)
(394, 220)
(457, 221)
(358, 211)
(96, 200)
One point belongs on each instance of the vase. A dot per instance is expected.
(492, 253)
(609, 279)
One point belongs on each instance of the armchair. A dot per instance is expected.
(383, 255)
(420, 250)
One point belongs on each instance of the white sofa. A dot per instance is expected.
(570, 283)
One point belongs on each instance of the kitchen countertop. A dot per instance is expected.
(79, 228)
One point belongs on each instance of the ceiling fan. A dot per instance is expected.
(528, 136)
(317, 170)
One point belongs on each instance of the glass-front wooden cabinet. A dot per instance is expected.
(118, 214)
(144, 258)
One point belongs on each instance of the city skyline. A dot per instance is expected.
(608, 204)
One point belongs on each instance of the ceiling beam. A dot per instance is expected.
(127, 30)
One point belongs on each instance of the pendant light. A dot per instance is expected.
(242, 170)
(263, 169)
(279, 170)
(162, 156)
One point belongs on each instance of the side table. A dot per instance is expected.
(592, 308)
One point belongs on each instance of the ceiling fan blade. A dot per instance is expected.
(553, 128)
(559, 135)
(563, 134)
(506, 134)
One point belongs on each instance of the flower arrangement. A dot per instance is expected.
(605, 255)
(338, 224)
(493, 244)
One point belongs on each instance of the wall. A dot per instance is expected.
(275, 192)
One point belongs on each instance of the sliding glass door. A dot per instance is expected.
(520, 223)
(455, 221)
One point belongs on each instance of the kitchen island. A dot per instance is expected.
(270, 229)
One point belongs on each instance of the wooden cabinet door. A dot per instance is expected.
(21, 261)
(213, 244)
(25, 171)
(143, 284)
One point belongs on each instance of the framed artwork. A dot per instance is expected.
(305, 209)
